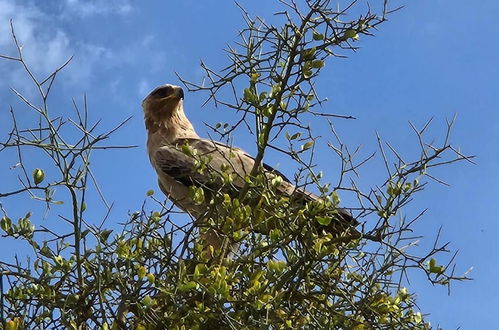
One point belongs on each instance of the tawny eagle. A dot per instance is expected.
(169, 132)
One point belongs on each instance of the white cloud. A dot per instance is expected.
(45, 46)
(144, 87)
(89, 7)
(87, 58)
(48, 42)
(156, 58)
(41, 49)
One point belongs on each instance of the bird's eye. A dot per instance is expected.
(162, 92)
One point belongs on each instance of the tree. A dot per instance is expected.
(155, 273)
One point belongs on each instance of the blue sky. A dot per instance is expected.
(431, 59)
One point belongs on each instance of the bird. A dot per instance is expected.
(174, 150)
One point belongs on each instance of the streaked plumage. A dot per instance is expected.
(171, 143)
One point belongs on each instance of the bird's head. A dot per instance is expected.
(163, 102)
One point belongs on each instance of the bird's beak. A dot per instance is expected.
(180, 93)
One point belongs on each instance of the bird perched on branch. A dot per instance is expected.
(174, 149)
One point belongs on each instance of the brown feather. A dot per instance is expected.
(169, 129)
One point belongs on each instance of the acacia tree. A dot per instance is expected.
(155, 273)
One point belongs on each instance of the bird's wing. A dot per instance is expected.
(202, 162)
(183, 160)
(267, 167)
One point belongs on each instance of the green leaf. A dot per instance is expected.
(148, 301)
(317, 64)
(11, 325)
(6, 224)
(307, 145)
(84, 233)
(38, 175)
(155, 216)
(309, 54)
(433, 268)
(104, 235)
(187, 286)
(255, 76)
(187, 150)
(228, 178)
(59, 260)
(275, 235)
(267, 110)
(277, 266)
(249, 96)
(294, 136)
(150, 192)
(199, 270)
(351, 34)
(276, 181)
(317, 36)
(418, 318)
(123, 250)
(275, 90)
(336, 198)
(45, 251)
(141, 272)
(256, 275)
(323, 220)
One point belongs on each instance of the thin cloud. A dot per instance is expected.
(144, 87)
(45, 46)
(48, 42)
(88, 8)
(43, 49)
